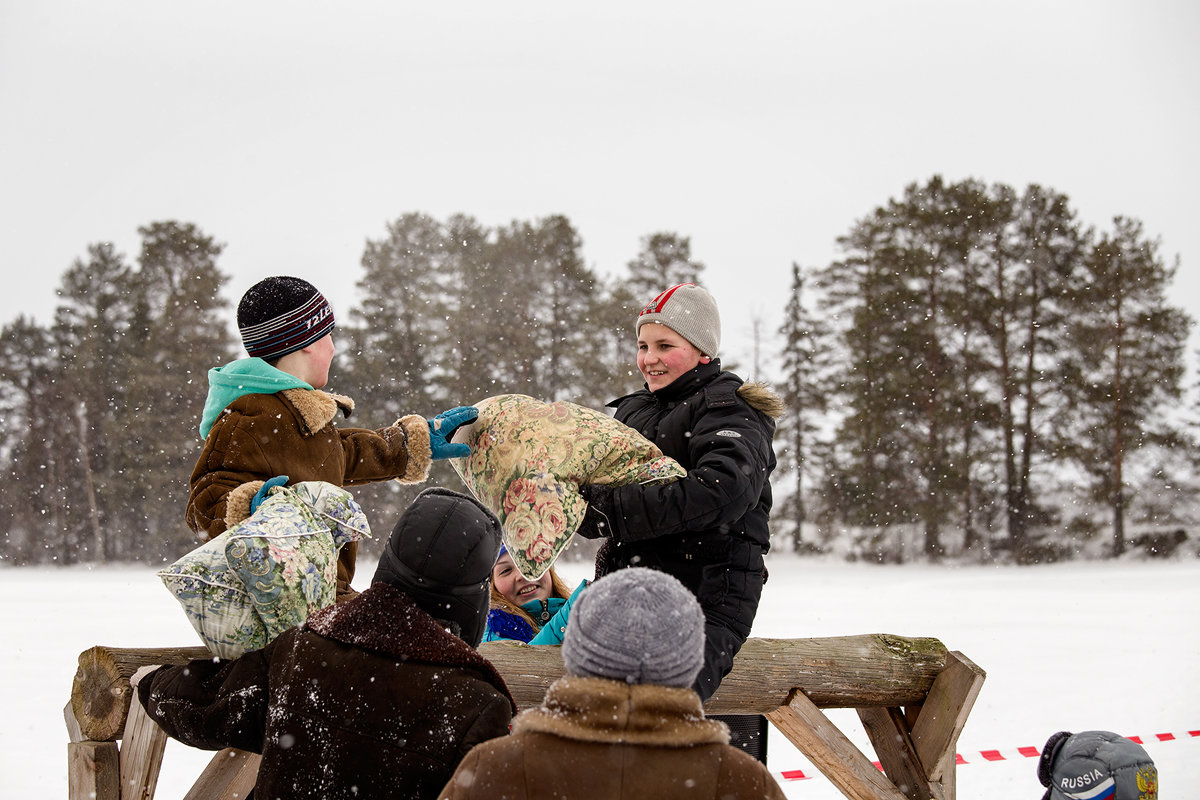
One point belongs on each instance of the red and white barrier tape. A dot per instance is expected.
(984, 756)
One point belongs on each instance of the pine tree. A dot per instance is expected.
(562, 309)
(806, 358)
(664, 260)
(1126, 362)
(28, 366)
(523, 306)
(387, 361)
(1037, 257)
(868, 478)
(607, 360)
(395, 354)
(901, 289)
(476, 343)
(92, 335)
(178, 332)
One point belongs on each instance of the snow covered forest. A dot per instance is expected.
(981, 376)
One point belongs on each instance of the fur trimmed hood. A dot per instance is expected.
(761, 398)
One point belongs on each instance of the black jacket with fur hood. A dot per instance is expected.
(720, 430)
(710, 528)
(370, 698)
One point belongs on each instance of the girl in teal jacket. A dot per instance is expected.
(534, 612)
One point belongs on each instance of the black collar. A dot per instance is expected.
(685, 385)
(689, 383)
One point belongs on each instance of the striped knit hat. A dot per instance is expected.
(689, 311)
(281, 315)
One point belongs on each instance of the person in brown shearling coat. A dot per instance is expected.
(266, 420)
(371, 698)
(625, 721)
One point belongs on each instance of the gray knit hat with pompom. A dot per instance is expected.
(636, 625)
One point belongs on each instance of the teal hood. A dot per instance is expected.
(242, 377)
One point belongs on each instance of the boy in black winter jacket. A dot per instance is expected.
(708, 529)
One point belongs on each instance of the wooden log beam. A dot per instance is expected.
(834, 672)
(875, 669)
(100, 692)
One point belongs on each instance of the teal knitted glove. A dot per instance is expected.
(265, 489)
(443, 426)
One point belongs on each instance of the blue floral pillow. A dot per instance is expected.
(215, 601)
(267, 574)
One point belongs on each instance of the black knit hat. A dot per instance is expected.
(281, 315)
(441, 554)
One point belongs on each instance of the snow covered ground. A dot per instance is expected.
(1066, 647)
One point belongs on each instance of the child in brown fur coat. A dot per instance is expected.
(266, 421)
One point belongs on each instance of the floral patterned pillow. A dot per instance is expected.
(249, 584)
(216, 603)
(285, 554)
(529, 458)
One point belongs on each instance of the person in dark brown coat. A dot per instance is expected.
(266, 420)
(377, 697)
(625, 721)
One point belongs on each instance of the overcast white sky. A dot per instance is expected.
(295, 131)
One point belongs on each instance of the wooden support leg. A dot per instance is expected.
(142, 748)
(942, 717)
(74, 732)
(888, 730)
(93, 771)
(832, 753)
(229, 776)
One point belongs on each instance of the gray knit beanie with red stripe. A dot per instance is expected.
(280, 315)
(688, 310)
